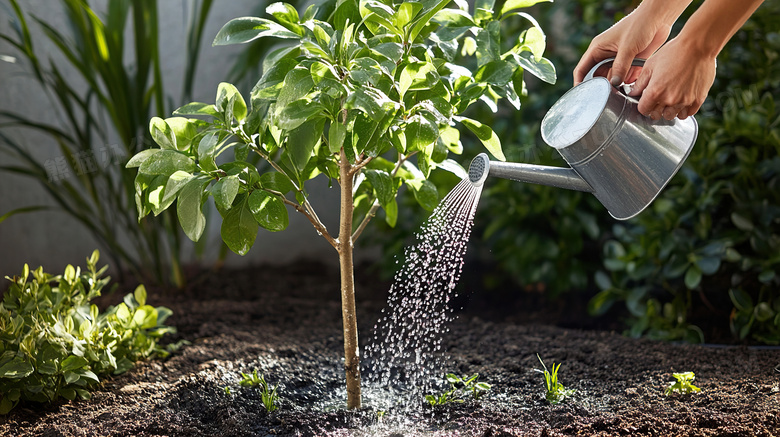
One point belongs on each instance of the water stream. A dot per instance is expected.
(404, 358)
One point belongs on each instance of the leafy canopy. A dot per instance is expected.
(371, 82)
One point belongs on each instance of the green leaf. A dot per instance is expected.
(225, 191)
(382, 184)
(511, 5)
(374, 12)
(268, 211)
(246, 29)
(298, 112)
(140, 157)
(406, 13)
(207, 145)
(284, 12)
(189, 209)
(420, 133)
(73, 363)
(239, 228)
(741, 222)
(372, 102)
(16, 369)
(486, 135)
(391, 213)
(337, 133)
(166, 162)
(276, 182)
(297, 84)
(763, 312)
(429, 9)
(11, 213)
(162, 134)
(183, 130)
(140, 295)
(489, 43)
(542, 68)
(693, 277)
(601, 302)
(173, 185)
(740, 299)
(6, 405)
(230, 101)
(602, 280)
(497, 73)
(766, 277)
(534, 40)
(391, 50)
(708, 264)
(68, 393)
(425, 193)
(454, 18)
(413, 74)
(196, 108)
(301, 141)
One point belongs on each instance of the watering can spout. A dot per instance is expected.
(481, 167)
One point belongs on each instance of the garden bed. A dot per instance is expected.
(286, 323)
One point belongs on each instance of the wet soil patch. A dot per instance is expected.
(286, 323)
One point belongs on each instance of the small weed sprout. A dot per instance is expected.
(683, 384)
(459, 388)
(556, 392)
(269, 396)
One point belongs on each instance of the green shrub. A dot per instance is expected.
(54, 343)
(713, 236)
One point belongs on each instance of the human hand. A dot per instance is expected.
(674, 81)
(637, 35)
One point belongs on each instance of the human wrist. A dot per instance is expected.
(663, 12)
(690, 37)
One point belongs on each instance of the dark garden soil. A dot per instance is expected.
(286, 323)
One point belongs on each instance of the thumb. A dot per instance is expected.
(620, 67)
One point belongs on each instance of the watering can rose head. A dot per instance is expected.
(624, 158)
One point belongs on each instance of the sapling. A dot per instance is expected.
(682, 384)
(365, 93)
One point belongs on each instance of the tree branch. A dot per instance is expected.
(359, 165)
(375, 206)
(309, 210)
(314, 221)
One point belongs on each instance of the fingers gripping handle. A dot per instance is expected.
(638, 62)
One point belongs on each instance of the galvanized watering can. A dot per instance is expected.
(624, 158)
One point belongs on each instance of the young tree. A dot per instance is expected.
(362, 88)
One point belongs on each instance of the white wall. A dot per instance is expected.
(52, 238)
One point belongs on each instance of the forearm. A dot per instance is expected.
(664, 11)
(715, 22)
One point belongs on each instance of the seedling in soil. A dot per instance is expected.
(459, 388)
(683, 384)
(556, 392)
(269, 396)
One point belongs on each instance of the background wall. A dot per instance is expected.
(53, 239)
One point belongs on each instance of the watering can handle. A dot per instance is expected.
(638, 62)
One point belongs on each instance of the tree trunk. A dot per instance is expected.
(351, 351)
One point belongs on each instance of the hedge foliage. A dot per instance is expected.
(54, 343)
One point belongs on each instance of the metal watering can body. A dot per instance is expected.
(624, 158)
